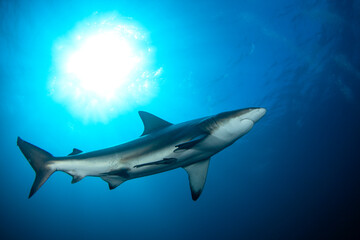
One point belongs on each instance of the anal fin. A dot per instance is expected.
(113, 181)
(76, 179)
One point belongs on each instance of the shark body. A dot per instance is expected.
(162, 147)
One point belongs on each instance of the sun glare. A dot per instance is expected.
(103, 68)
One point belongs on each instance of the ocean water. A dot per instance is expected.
(295, 175)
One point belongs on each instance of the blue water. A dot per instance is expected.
(295, 175)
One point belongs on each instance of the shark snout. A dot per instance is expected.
(256, 114)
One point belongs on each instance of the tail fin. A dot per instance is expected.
(38, 159)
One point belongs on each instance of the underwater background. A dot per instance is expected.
(295, 175)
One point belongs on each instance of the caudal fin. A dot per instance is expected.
(38, 160)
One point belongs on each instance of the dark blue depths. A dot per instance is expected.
(294, 176)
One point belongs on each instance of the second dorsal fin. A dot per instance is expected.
(152, 123)
(75, 151)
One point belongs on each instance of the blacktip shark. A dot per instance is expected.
(163, 146)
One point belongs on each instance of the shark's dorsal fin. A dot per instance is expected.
(152, 123)
(197, 177)
(113, 181)
(75, 151)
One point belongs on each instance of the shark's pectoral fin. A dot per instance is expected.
(113, 181)
(191, 143)
(197, 177)
(152, 123)
(75, 151)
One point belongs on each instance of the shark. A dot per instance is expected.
(163, 146)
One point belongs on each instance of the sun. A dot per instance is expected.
(103, 68)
